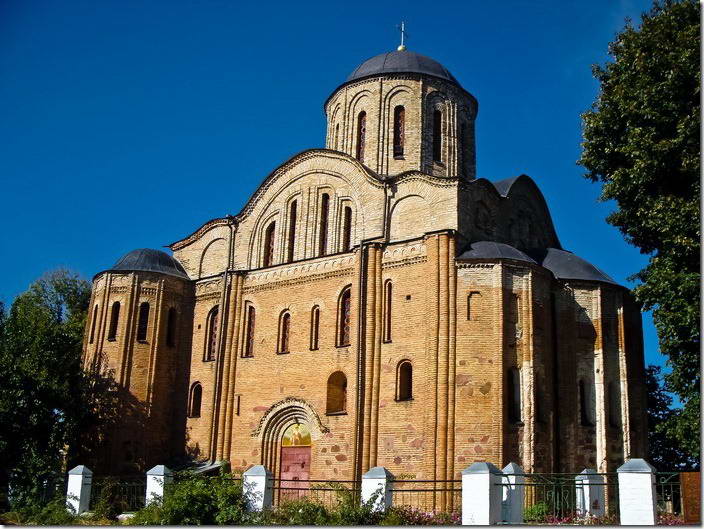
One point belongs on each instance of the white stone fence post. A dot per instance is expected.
(481, 494)
(377, 487)
(157, 479)
(257, 488)
(80, 481)
(637, 498)
(590, 493)
(513, 494)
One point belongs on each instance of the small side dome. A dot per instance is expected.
(494, 250)
(150, 260)
(566, 265)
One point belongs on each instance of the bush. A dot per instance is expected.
(406, 515)
(54, 512)
(197, 500)
(296, 512)
(537, 512)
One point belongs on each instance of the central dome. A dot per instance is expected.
(401, 61)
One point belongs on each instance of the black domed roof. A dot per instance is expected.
(150, 260)
(401, 61)
(494, 250)
(566, 265)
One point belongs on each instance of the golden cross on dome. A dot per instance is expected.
(402, 29)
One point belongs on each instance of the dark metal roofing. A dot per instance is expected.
(494, 250)
(150, 261)
(503, 186)
(401, 61)
(566, 265)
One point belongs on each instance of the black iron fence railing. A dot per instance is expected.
(327, 492)
(125, 494)
(428, 495)
(669, 493)
(562, 497)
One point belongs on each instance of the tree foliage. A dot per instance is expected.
(641, 142)
(664, 451)
(47, 403)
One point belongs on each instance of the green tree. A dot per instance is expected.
(43, 403)
(641, 142)
(663, 449)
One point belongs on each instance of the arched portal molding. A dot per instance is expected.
(286, 412)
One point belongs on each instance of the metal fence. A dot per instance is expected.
(126, 494)
(561, 497)
(428, 495)
(669, 493)
(326, 492)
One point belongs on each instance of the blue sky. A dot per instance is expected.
(127, 124)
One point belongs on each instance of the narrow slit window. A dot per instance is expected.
(347, 229)
(211, 333)
(268, 259)
(314, 328)
(361, 135)
(143, 322)
(337, 137)
(586, 403)
(292, 230)
(114, 320)
(474, 301)
(323, 236)
(345, 305)
(284, 333)
(171, 328)
(514, 395)
(388, 292)
(399, 131)
(404, 380)
(337, 393)
(437, 135)
(195, 400)
(249, 338)
(92, 324)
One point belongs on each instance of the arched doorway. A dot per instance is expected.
(295, 460)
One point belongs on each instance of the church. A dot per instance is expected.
(374, 303)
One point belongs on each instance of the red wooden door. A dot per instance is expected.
(295, 471)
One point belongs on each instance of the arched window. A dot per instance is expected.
(92, 324)
(291, 230)
(211, 333)
(323, 235)
(404, 380)
(437, 135)
(399, 131)
(514, 395)
(284, 332)
(586, 403)
(195, 398)
(268, 256)
(388, 291)
(343, 317)
(314, 327)
(171, 327)
(474, 301)
(361, 134)
(143, 322)
(114, 320)
(614, 405)
(249, 336)
(346, 229)
(337, 136)
(337, 393)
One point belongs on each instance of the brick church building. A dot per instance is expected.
(374, 303)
